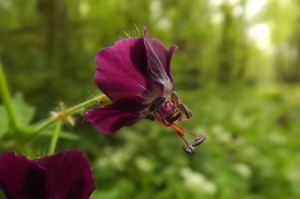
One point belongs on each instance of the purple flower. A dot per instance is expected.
(135, 75)
(65, 175)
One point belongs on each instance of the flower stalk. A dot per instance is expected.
(67, 113)
(55, 137)
(5, 96)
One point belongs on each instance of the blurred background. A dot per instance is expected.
(237, 68)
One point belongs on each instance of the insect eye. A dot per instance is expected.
(174, 115)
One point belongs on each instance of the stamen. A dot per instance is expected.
(189, 149)
(184, 119)
(179, 131)
(158, 115)
(183, 130)
(199, 139)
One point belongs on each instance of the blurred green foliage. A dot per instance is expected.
(244, 97)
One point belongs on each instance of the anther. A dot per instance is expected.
(189, 149)
(199, 139)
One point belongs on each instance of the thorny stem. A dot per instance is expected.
(68, 112)
(6, 99)
(55, 137)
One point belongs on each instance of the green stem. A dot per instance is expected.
(67, 112)
(55, 137)
(6, 99)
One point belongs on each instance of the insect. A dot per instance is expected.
(169, 112)
(138, 84)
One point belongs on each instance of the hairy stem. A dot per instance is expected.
(69, 111)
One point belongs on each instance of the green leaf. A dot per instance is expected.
(3, 121)
(62, 134)
(24, 112)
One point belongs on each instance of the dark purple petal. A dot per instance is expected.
(164, 56)
(22, 178)
(121, 70)
(35, 186)
(69, 175)
(110, 118)
(158, 62)
(133, 74)
(168, 65)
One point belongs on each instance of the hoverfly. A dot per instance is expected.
(169, 112)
